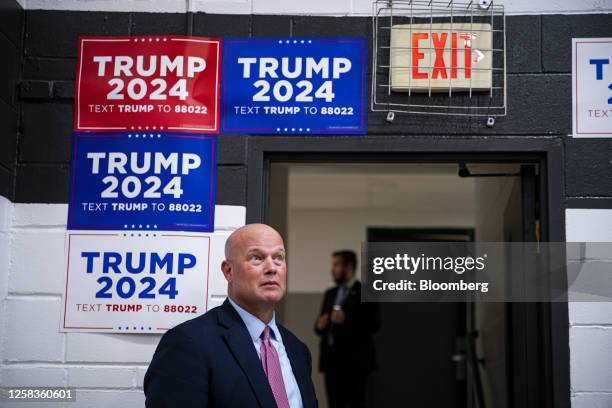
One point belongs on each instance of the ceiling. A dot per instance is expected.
(393, 186)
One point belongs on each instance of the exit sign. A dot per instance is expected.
(440, 57)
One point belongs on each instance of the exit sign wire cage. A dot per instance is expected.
(439, 58)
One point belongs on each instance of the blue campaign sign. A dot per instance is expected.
(142, 181)
(294, 85)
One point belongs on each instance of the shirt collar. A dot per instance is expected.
(350, 283)
(255, 326)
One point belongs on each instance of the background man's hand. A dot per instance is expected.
(323, 321)
(337, 316)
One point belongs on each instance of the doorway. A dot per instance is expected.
(546, 384)
(435, 351)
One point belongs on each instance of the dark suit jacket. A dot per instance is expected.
(210, 361)
(353, 347)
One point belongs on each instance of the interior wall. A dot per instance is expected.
(316, 7)
(321, 220)
(492, 196)
(313, 235)
(11, 34)
(590, 322)
(106, 369)
(6, 210)
(331, 206)
(277, 213)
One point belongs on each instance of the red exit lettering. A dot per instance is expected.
(438, 43)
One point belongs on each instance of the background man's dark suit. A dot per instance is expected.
(210, 361)
(351, 358)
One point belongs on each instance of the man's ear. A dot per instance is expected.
(226, 268)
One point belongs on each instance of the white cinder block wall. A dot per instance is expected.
(5, 226)
(106, 369)
(590, 323)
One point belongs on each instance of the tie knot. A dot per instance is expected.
(265, 334)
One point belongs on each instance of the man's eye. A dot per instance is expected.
(255, 257)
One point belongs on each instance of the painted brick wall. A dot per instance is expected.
(5, 226)
(539, 92)
(106, 369)
(316, 7)
(11, 40)
(590, 323)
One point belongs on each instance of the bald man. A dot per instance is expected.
(236, 355)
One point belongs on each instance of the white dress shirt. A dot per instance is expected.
(255, 328)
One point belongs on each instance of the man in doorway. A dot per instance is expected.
(346, 326)
(236, 355)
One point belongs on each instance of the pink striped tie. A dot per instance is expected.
(272, 368)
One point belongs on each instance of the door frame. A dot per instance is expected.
(545, 151)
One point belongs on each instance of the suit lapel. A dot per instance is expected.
(330, 299)
(297, 367)
(354, 293)
(239, 341)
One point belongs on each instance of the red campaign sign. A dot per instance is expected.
(168, 83)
